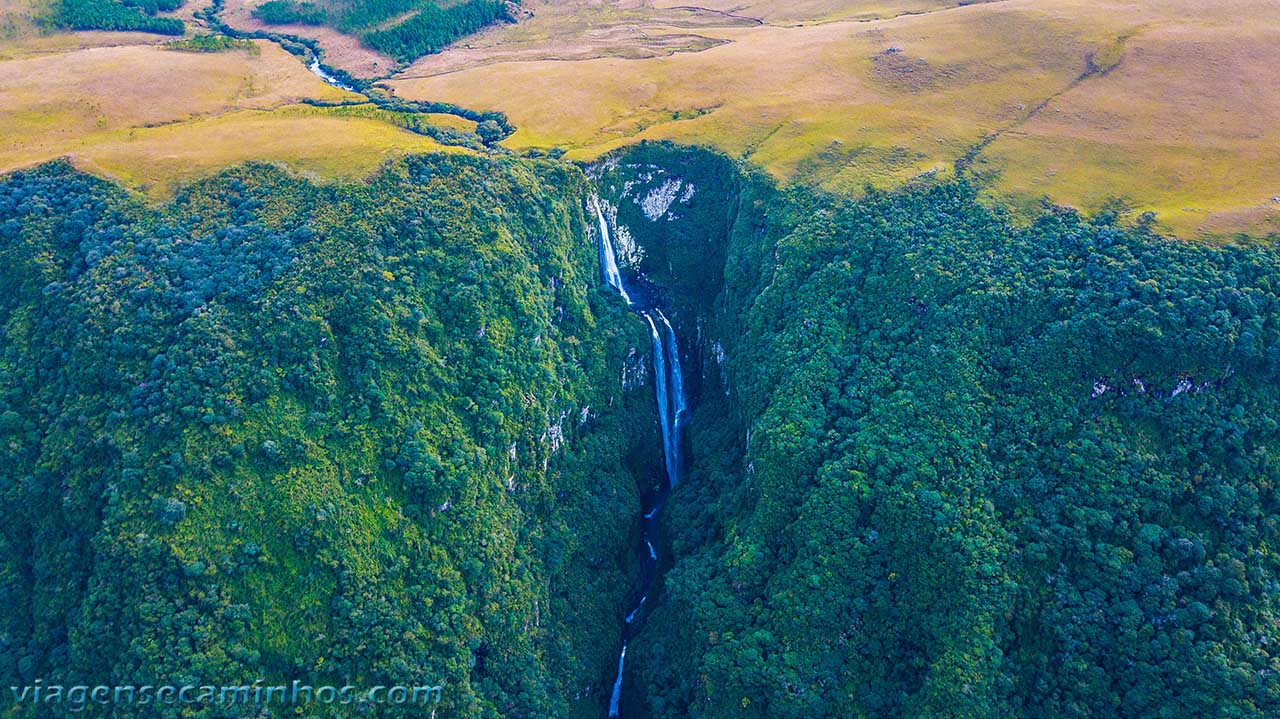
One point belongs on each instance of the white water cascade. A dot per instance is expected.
(320, 72)
(608, 260)
(676, 403)
(672, 410)
(664, 398)
(617, 684)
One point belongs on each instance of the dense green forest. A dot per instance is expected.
(285, 12)
(944, 465)
(115, 15)
(403, 29)
(371, 433)
(941, 463)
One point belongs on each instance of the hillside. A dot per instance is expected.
(939, 463)
(946, 466)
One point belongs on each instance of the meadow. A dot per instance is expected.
(155, 118)
(1164, 108)
(1083, 102)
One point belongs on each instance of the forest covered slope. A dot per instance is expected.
(750, 359)
(377, 433)
(940, 463)
(948, 465)
(403, 30)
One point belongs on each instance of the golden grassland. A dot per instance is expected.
(317, 143)
(153, 118)
(792, 98)
(57, 104)
(1188, 126)
(21, 36)
(48, 98)
(803, 12)
(1172, 105)
(123, 106)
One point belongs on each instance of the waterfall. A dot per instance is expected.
(617, 684)
(664, 398)
(668, 377)
(632, 616)
(668, 382)
(676, 402)
(608, 260)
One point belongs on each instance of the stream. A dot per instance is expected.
(319, 70)
(672, 410)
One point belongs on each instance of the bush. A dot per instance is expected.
(212, 43)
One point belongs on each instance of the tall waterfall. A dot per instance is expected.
(608, 260)
(617, 684)
(676, 403)
(672, 409)
(665, 420)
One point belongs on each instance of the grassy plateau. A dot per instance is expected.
(1166, 107)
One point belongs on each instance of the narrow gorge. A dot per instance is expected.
(668, 383)
(650, 195)
(894, 431)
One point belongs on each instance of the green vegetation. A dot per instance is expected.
(941, 464)
(419, 123)
(403, 29)
(151, 7)
(115, 15)
(213, 43)
(286, 12)
(955, 467)
(370, 433)
(416, 117)
(433, 27)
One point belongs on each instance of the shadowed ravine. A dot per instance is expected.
(672, 408)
